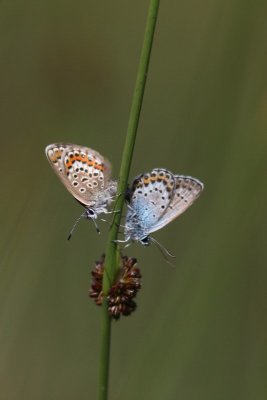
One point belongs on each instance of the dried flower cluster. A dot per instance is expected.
(122, 292)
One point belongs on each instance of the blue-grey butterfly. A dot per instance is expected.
(155, 199)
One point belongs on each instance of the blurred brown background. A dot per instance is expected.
(67, 74)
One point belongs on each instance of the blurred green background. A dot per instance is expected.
(67, 74)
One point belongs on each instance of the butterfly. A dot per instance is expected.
(155, 199)
(86, 175)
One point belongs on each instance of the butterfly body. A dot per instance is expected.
(155, 199)
(86, 175)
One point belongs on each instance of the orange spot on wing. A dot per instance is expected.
(146, 181)
(55, 155)
(89, 162)
(99, 166)
(58, 153)
(68, 164)
(94, 164)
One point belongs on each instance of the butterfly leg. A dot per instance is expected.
(96, 226)
(122, 241)
(112, 212)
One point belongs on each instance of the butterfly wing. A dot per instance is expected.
(83, 171)
(150, 196)
(186, 191)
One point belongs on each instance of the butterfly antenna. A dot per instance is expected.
(75, 224)
(163, 251)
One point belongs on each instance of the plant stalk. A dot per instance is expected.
(112, 259)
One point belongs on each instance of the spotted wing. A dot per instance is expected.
(84, 172)
(186, 191)
(151, 194)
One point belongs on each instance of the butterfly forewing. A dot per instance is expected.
(151, 195)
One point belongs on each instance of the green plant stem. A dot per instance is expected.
(105, 352)
(112, 254)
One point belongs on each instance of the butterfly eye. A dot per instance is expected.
(145, 241)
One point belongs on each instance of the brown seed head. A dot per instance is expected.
(124, 289)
